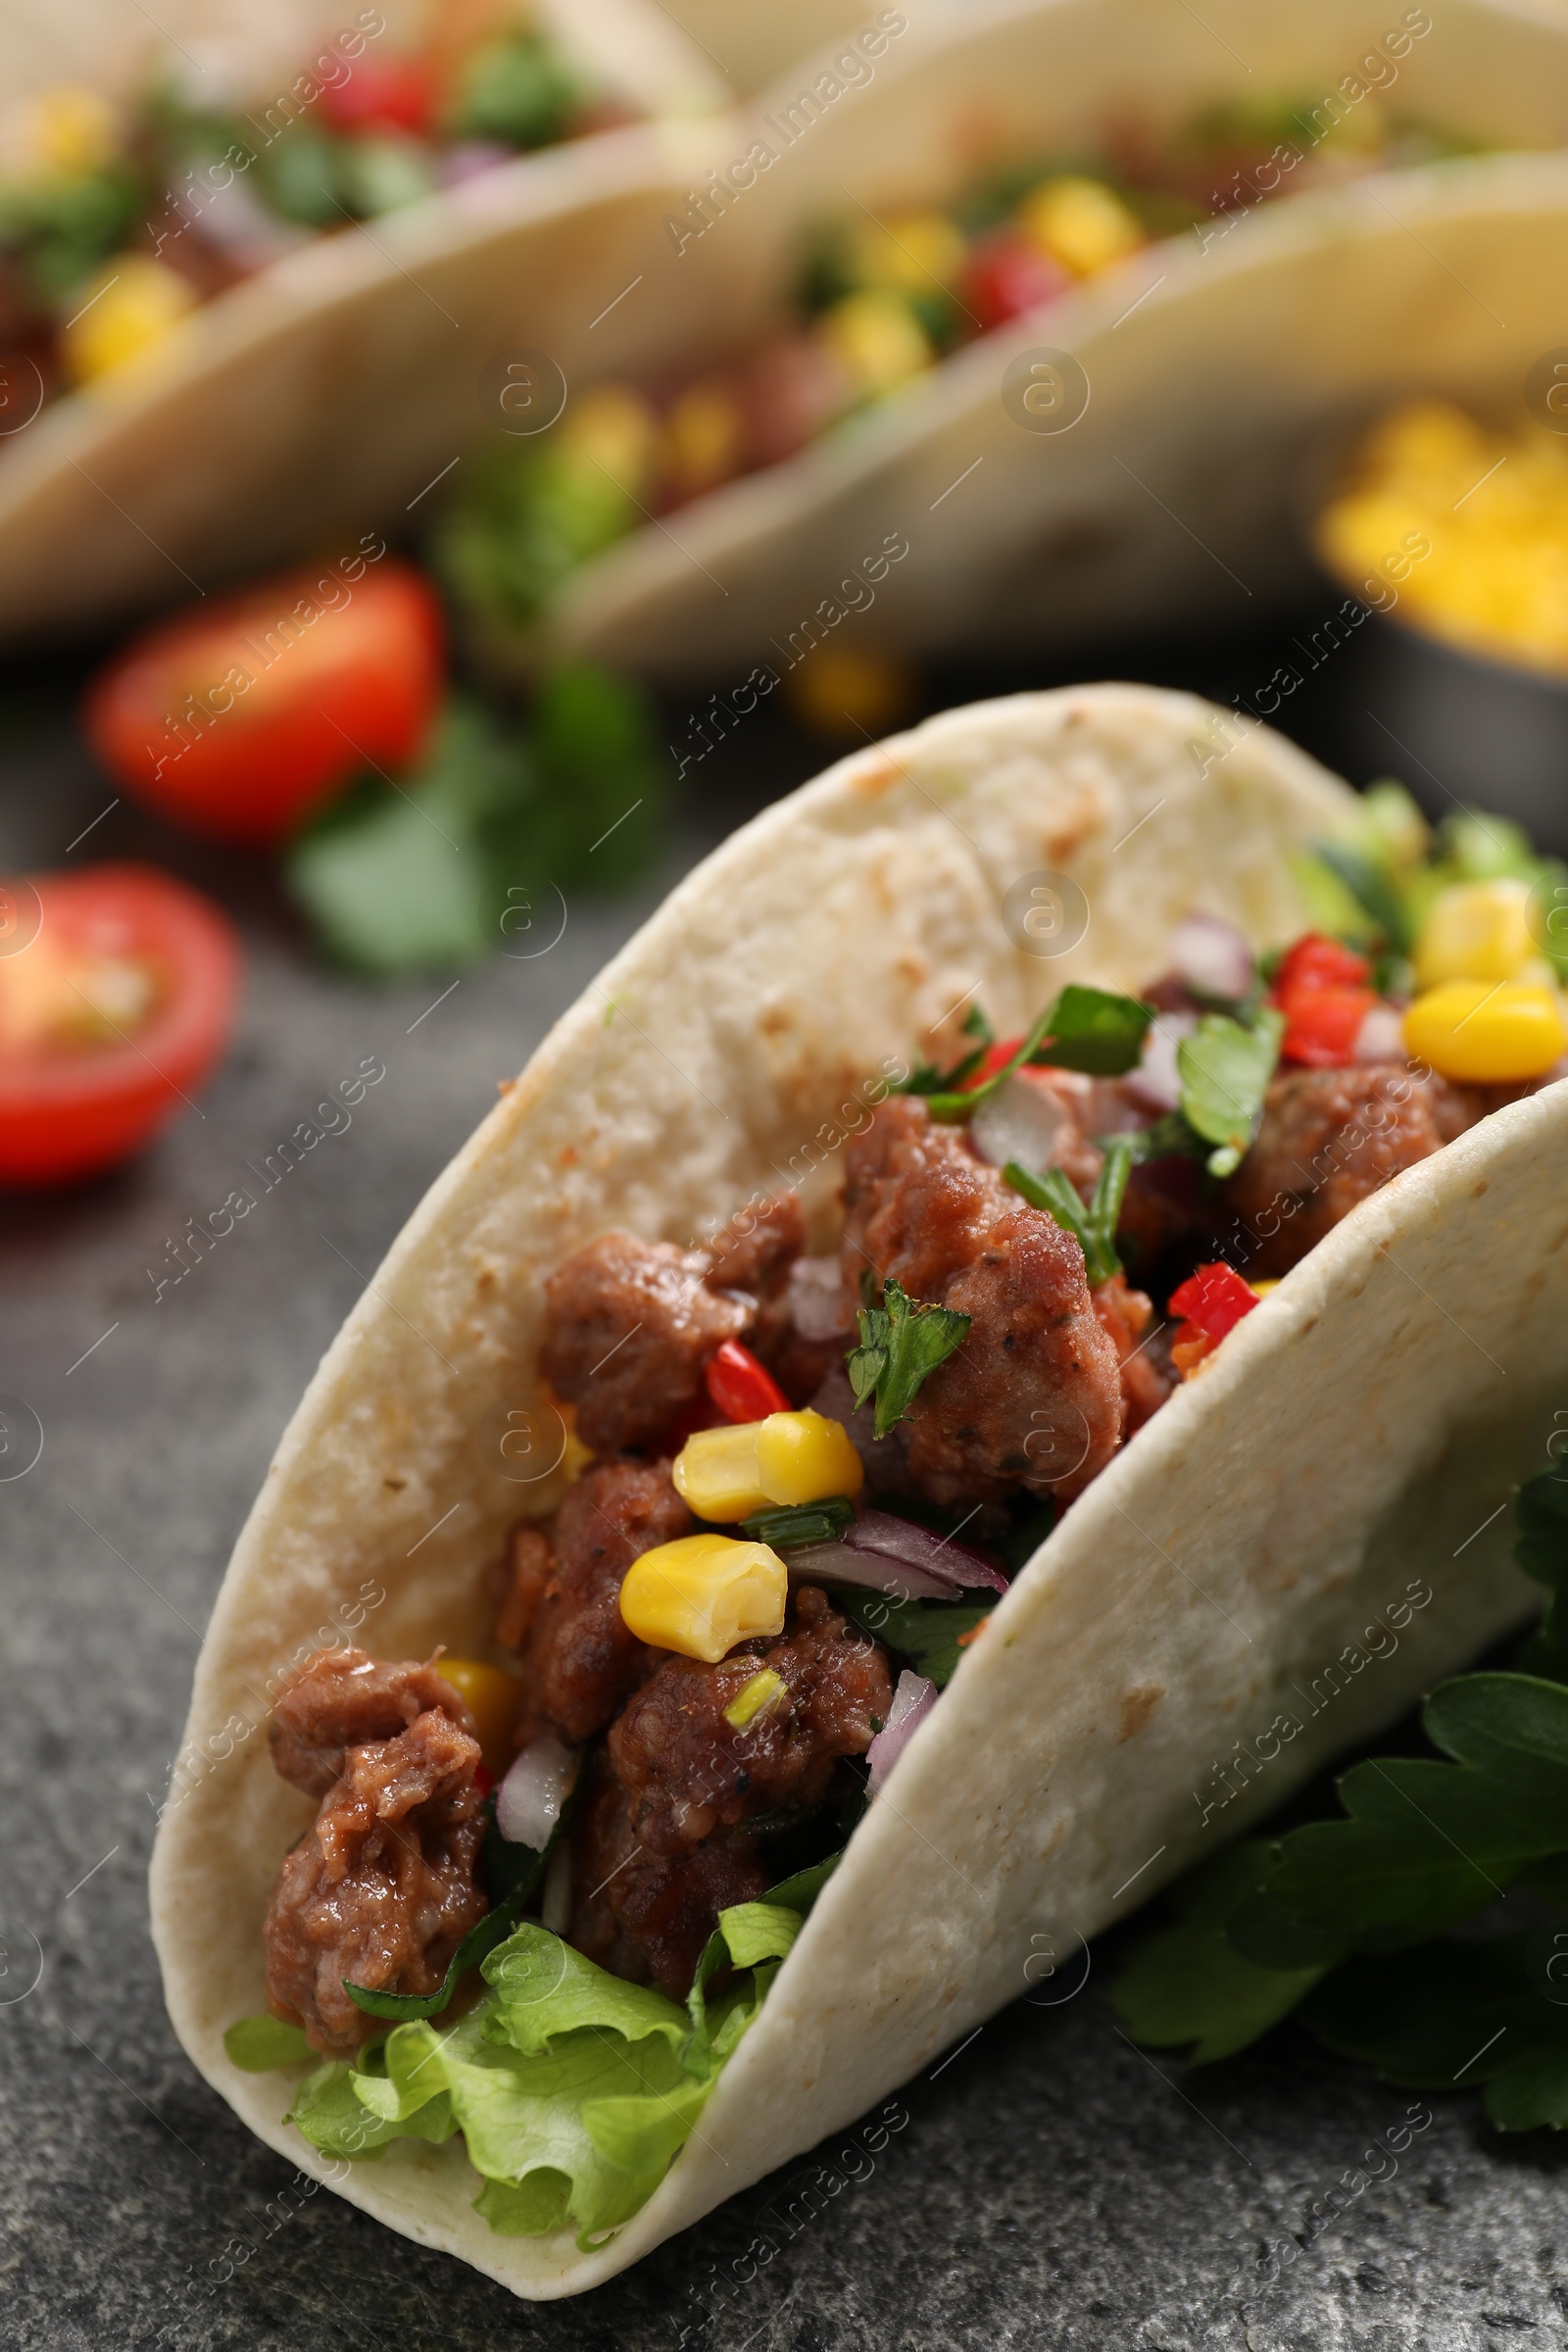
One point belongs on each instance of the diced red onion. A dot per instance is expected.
(893, 1539)
(912, 1703)
(1156, 1080)
(529, 1799)
(1381, 1036)
(469, 157)
(1212, 957)
(873, 1571)
(819, 1308)
(1019, 1121)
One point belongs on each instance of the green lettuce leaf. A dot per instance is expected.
(260, 2045)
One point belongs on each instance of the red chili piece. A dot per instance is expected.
(742, 1389)
(996, 1058)
(1215, 1298)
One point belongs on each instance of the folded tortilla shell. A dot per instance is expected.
(1356, 1433)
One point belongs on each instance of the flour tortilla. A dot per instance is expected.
(1358, 1430)
(325, 397)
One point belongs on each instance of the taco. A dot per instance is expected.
(1055, 165)
(848, 1469)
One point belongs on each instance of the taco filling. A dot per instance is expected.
(801, 1476)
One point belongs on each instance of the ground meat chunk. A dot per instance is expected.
(1329, 1138)
(529, 1566)
(1124, 1314)
(342, 1698)
(579, 1655)
(382, 1889)
(757, 1248)
(688, 1772)
(631, 1324)
(1033, 1395)
(648, 1916)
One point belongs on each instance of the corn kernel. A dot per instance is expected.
(137, 302)
(68, 130)
(717, 1474)
(801, 1457)
(876, 340)
(844, 691)
(1080, 222)
(615, 427)
(1262, 1290)
(702, 1595)
(751, 1697)
(703, 440)
(1489, 1032)
(1476, 931)
(491, 1698)
(918, 252)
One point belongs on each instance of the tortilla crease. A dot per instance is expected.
(326, 395)
(1352, 1437)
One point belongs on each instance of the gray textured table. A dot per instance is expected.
(1048, 2184)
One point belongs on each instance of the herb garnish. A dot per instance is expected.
(928, 1633)
(1088, 1029)
(900, 1341)
(1224, 1069)
(1093, 1228)
(784, 1523)
(926, 1079)
(1345, 1922)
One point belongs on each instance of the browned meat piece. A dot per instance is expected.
(580, 1656)
(631, 1325)
(1329, 1138)
(643, 1914)
(1124, 1315)
(1167, 1203)
(530, 1564)
(687, 1772)
(382, 1890)
(757, 1248)
(1033, 1396)
(342, 1698)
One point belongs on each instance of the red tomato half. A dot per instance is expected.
(111, 1018)
(240, 717)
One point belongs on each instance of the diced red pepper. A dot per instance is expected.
(1190, 1348)
(1005, 276)
(742, 1389)
(994, 1058)
(1215, 1298)
(1317, 961)
(1322, 1024)
(383, 93)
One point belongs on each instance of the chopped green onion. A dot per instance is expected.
(801, 1522)
(753, 1696)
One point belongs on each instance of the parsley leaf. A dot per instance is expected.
(900, 1341)
(927, 1633)
(1224, 1069)
(1188, 1982)
(1093, 1228)
(1085, 1029)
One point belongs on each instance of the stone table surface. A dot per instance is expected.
(1047, 2185)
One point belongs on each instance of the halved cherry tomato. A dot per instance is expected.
(1215, 1297)
(742, 1389)
(383, 93)
(112, 1017)
(238, 718)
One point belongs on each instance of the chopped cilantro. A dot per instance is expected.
(1224, 1072)
(928, 1633)
(1094, 1227)
(1085, 1029)
(900, 1341)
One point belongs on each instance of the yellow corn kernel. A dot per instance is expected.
(613, 427)
(801, 1457)
(68, 130)
(702, 1595)
(1080, 222)
(132, 303)
(1477, 931)
(491, 1698)
(876, 340)
(717, 1474)
(1489, 1032)
(751, 1697)
(845, 692)
(917, 253)
(703, 440)
(1262, 1290)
